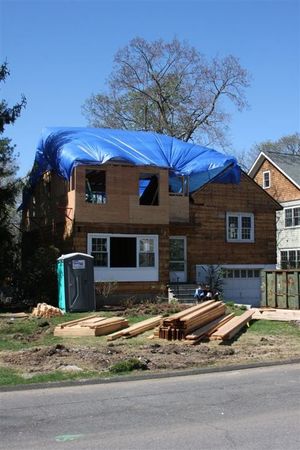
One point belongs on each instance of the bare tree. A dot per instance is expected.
(169, 87)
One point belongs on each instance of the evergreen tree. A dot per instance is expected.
(9, 184)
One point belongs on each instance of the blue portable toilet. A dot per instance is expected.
(75, 274)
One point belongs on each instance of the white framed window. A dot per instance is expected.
(290, 259)
(266, 179)
(240, 227)
(292, 217)
(123, 251)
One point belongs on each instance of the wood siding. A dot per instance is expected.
(282, 189)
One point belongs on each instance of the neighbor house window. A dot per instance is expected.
(240, 227)
(95, 186)
(149, 189)
(290, 259)
(292, 217)
(266, 179)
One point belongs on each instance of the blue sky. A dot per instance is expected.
(61, 51)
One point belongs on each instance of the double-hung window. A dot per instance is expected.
(292, 217)
(240, 227)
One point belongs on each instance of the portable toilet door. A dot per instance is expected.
(75, 273)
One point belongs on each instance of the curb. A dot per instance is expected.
(150, 376)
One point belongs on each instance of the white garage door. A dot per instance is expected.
(242, 285)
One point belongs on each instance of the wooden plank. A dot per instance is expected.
(232, 327)
(280, 315)
(65, 324)
(210, 327)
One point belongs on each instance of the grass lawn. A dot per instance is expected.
(29, 353)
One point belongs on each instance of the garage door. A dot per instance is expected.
(242, 285)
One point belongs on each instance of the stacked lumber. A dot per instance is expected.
(232, 327)
(90, 326)
(46, 311)
(204, 332)
(179, 325)
(284, 315)
(136, 329)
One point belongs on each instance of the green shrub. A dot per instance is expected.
(128, 366)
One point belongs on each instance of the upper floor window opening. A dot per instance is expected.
(179, 185)
(148, 189)
(95, 186)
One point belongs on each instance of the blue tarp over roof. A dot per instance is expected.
(61, 149)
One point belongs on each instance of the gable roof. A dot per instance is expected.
(287, 164)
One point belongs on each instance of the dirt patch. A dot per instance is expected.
(157, 354)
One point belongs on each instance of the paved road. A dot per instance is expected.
(248, 409)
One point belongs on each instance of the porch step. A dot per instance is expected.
(183, 293)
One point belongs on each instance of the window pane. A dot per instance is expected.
(266, 179)
(233, 227)
(244, 273)
(176, 249)
(236, 274)
(177, 267)
(122, 252)
(284, 259)
(256, 273)
(229, 273)
(146, 259)
(100, 259)
(246, 227)
(296, 216)
(147, 245)
(99, 245)
(250, 273)
(288, 218)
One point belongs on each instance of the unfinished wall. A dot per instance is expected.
(122, 197)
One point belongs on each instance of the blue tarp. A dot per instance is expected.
(61, 149)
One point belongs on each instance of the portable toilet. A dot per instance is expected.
(75, 273)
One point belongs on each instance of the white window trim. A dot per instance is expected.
(119, 270)
(264, 183)
(239, 215)
(293, 225)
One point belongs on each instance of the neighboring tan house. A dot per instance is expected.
(146, 227)
(279, 175)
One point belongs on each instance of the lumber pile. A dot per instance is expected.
(136, 329)
(284, 315)
(46, 311)
(204, 332)
(179, 325)
(90, 326)
(232, 327)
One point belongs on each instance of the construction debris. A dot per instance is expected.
(284, 315)
(136, 329)
(232, 327)
(90, 326)
(46, 311)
